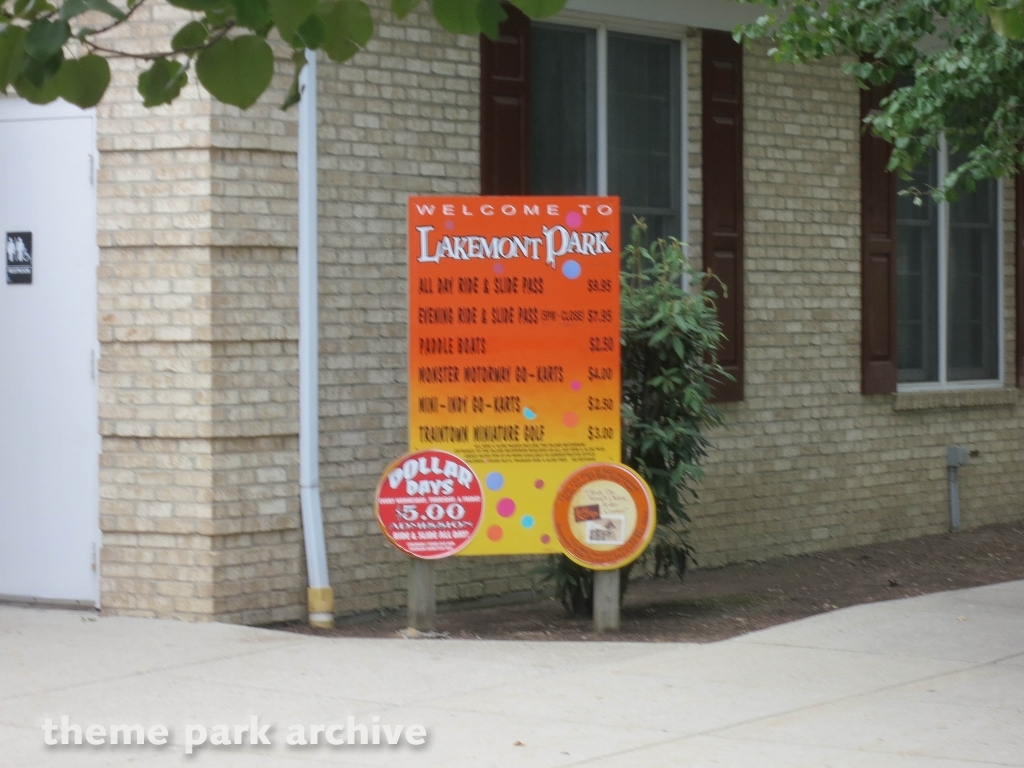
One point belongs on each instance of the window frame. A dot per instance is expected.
(602, 25)
(943, 384)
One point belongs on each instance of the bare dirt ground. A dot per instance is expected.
(718, 603)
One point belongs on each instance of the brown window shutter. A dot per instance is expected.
(878, 257)
(722, 198)
(1019, 270)
(505, 108)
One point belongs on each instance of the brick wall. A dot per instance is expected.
(807, 462)
(400, 119)
(198, 328)
(198, 325)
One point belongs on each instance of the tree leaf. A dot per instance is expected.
(339, 49)
(220, 15)
(162, 82)
(348, 27)
(39, 72)
(1008, 22)
(236, 71)
(45, 38)
(538, 9)
(72, 8)
(203, 6)
(29, 10)
(311, 33)
(458, 16)
(401, 8)
(289, 15)
(12, 50)
(34, 94)
(106, 7)
(294, 94)
(997, 16)
(83, 81)
(254, 15)
(192, 35)
(490, 14)
(353, 16)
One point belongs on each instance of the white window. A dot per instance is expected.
(606, 113)
(949, 284)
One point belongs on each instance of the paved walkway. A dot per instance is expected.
(930, 681)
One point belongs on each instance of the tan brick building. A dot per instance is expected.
(197, 304)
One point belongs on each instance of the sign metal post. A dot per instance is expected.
(606, 600)
(422, 596)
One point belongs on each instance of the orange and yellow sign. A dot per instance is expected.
(514, 350)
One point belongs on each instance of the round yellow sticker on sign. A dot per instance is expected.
(604, 516)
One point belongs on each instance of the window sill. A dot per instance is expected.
(961, 398)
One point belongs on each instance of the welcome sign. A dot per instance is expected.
(514, 350)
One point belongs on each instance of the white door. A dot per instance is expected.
(49, 441)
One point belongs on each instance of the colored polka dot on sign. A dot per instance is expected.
(573, 220)
(538, 484)
(528, 413)
(449, 225)
(499, 268)
(571, 269)
(494, 481)
(576, 386)
(570, 419)
(506, 507)
(526, 522)
(545, 539)
(494, 533)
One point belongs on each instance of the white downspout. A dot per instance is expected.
(320, 597)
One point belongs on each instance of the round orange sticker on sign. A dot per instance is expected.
(604, 516)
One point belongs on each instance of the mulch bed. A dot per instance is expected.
(718, 603)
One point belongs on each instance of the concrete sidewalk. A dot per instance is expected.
(930, 681)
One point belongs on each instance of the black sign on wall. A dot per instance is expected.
(19, 257)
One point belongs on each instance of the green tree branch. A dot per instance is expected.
(954, 70)
(225, 42)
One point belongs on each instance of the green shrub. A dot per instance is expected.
(670, 334)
